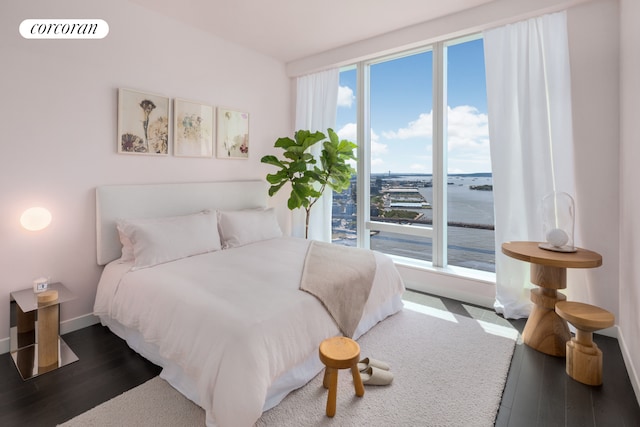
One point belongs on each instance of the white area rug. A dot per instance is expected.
(449, 370)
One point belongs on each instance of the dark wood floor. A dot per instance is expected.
(537, 392)
(107, 368)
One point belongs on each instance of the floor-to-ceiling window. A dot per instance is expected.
(470, 233)
(344, 212)
(424, 167)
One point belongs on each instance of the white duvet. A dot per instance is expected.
(233, 320)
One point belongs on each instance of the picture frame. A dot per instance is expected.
(143, 123)
(193, 129)
(233, 134)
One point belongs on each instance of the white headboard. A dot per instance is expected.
(114, 202)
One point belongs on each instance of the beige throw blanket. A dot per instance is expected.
(341, 278)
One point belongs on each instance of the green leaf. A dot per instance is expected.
(301, 135)
(275, 188)
(278, 177)
(271, 160)
(298, 166)
(306, 139)
(296, 149)
(315, 174)
(293, 202)
(298, 196)
(284, 143)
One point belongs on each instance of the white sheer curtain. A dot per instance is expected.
(530, 128)
(316, 104)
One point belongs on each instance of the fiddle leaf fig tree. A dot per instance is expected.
(308, 175)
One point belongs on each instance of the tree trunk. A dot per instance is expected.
(306, 223)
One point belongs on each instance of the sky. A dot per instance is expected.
(401, 112)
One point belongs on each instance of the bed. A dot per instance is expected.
(227, 320)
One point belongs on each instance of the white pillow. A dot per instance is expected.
(159, 240)
(127, 246)
(238, 228)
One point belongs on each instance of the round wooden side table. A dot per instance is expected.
(545, 330)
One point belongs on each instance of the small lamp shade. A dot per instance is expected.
(35, 219)
(558, 220)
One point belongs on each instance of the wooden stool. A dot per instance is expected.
(339, 353)
(584, 358)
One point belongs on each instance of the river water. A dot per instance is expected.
(467, 247)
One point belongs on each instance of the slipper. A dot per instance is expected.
(367, 361)
(376, 376)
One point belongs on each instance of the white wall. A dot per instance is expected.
(628, 316)
(593, 27)
(58, 128)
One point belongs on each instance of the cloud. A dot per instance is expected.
(422, 127)
(465, 125)
(468, 143)
(350, 132)
(468, 129)
(378, 149)
(345, 96)
(467, 138)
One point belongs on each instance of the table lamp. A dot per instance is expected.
(558, 221)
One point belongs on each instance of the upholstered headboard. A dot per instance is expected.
(114, 202)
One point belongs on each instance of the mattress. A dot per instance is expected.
(231, 329)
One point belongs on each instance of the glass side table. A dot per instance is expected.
(36, 346)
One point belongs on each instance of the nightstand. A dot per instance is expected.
(36, 346)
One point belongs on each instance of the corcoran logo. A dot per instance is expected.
(64, 29)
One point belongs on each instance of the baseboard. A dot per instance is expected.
(66, 326)
(631, 369)
(449, 284)
(79, 322)
(612, 332)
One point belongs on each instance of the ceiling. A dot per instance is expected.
(293, 29)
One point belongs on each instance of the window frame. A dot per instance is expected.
(439, 230)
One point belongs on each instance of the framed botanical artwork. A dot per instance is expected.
(143, 123)
(192, 129)
(233, 134)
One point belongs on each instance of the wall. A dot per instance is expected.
(630, 196)
(593, 27)
(58, 124)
